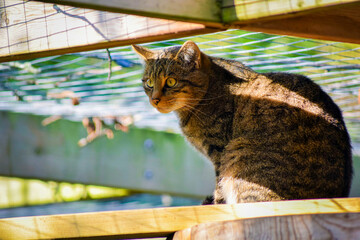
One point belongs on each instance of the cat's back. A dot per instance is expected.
(285, 123)
(304, 87)
(281, 97)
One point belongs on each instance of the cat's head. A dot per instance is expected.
(175, 78)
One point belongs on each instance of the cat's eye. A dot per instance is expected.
(170, 82)
(149, 83)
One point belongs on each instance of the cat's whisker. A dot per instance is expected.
(198, 112)
(203, 99)
(193, 112)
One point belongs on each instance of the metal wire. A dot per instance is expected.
(30, 86)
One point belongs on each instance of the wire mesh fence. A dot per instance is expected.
(81, 85)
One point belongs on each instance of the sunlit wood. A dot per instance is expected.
(249, 10)
(160, 221)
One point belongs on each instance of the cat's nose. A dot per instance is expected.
(155, 100)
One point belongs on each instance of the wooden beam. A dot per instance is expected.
(329, 20)
(31, 29)
(160, 221)
(341, 24)
(336, 20)
(200, 11)
(209, 12)
(252, 11)
(142, 160)
(317, 226)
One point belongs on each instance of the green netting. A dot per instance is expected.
(48, 86)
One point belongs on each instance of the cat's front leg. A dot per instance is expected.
(208, 200)
(237, 190)
(218, 196)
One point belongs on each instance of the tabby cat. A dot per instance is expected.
(270, 136)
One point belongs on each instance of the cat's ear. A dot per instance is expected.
(190, 52)
(143, 52)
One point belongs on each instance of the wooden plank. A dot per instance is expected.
(141, 160)
(341, 24)
(17, 33)
(160, 221)
(317, 226)
(250, 11)
(326, 20)
(34, 29)
(208, 12)
(262, 16)
(4, 39)
(201, 11)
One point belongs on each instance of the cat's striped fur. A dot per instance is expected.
(270, 136)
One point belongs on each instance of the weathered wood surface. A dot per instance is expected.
(340, 23)
(249, 10)
(208, 12)
(141, 160)
(31, 29)
(200, 11)
(317, 226)
(336, 20)
(162, 221)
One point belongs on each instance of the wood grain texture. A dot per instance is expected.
(336, 24)
(33, 29)
(332, 20)
(200, 11)
(161, 221)
(317, 226)
(248, 10)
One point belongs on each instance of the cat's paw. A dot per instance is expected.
(208, 200)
